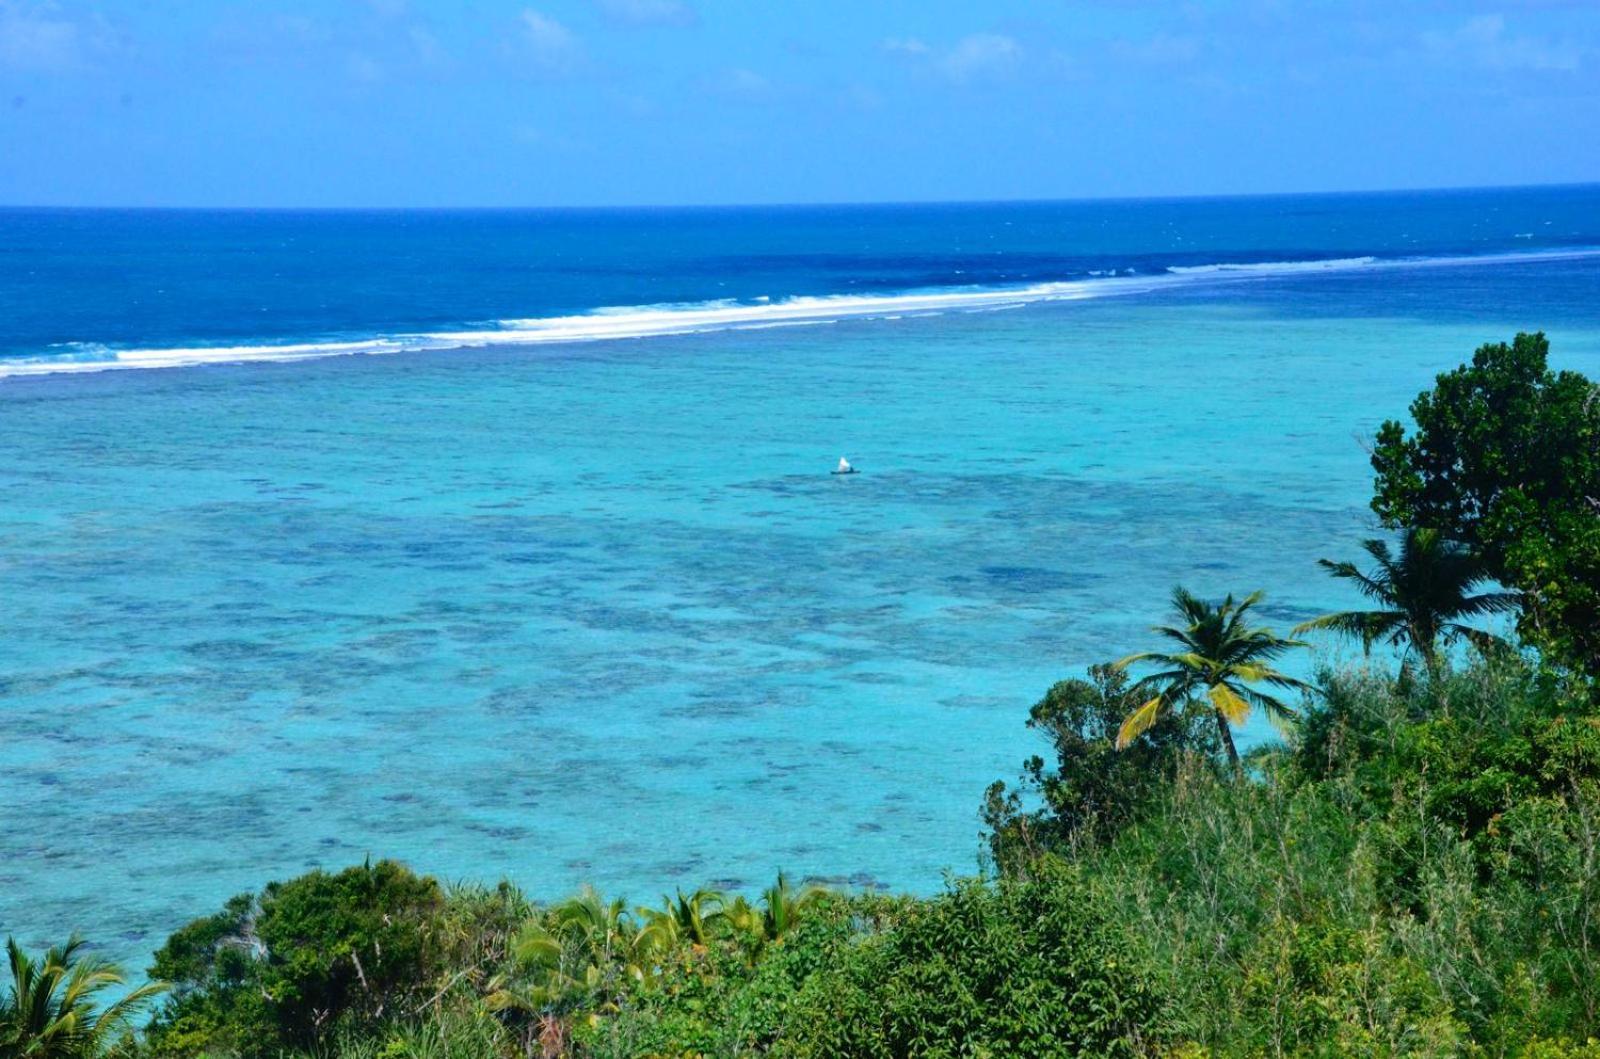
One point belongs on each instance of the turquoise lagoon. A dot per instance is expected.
(598, 612)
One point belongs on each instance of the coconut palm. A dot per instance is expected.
(1219, 657)
(50, 1011)
(782, 908)
(1423, 595)
(686, 918)
(572, 958)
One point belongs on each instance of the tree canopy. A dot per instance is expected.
(1505, 458)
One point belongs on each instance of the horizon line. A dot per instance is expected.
(821, 204)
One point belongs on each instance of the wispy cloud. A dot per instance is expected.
(429, 51)
(982, 55)
(977, 56)
(739, 83)
(364, 68)
(649, 12)
(907, 46)
(1483, 41)
(1162, 49)
(37, 38)
(553, 49)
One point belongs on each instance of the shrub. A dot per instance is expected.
(306, 957)
(1035, 967)
(1090, 790)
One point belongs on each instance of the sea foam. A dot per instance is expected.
(679, 318)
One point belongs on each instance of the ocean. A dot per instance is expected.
(503, 542)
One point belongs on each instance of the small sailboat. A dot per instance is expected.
(844, 467)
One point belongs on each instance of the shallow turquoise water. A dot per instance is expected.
(599, 612)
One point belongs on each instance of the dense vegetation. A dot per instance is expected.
(1415, 871)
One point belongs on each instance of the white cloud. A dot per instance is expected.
(740, 83)
(981, 55)
(649, 12)
(552, 46)
(1162, 49)
(427, 47)
(635, 105)
(907, 46)
(1483, 41)
(35, 38)
(364, 68)
(861, 96)
(974, 57)
(300, 29)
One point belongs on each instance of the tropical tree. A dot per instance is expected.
(1423, 593)
(686, 918)
(1505, 457)
(577, 957)
(1220, 657)
(783, 907)
(51, 1010)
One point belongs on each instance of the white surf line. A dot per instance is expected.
(647, 321)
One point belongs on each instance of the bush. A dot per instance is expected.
(305, 958)
(1091, 790)
(1036, 967)
(1505, 458)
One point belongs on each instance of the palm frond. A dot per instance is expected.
(1378, 548)
(1144, 656)
(1139, 721)
(1368, 626)
(1489, 603)
(1375, 586)
(1220, 646)
(1228, 703)
(1279, 714)
(1485, 642)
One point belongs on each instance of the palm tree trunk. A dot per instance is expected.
(1425, 638)
(1227, 740)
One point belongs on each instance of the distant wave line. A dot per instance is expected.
(646, 321)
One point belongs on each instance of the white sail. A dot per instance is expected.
(844, 466)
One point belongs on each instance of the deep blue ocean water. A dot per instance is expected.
(527, 596)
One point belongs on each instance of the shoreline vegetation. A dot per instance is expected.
(1413, 871)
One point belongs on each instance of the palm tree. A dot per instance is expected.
(1219, 656)
(690, 918)
(1423, 594)
(50, 1011)
(568, 960)
(783, 907)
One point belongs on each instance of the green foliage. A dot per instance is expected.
(1091, 790)
(1040, 966)
(718, 1000)
(1418, 876)
(1506, 459)
(1423, 595)
(51, 1010)
(1219, 657)
(307, 957)
(450, 1034)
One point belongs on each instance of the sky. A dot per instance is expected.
(639, 102)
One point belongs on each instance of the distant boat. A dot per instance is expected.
(844, 467)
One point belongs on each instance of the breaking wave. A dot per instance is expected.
(644, 321)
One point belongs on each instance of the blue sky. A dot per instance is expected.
(582, 102)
